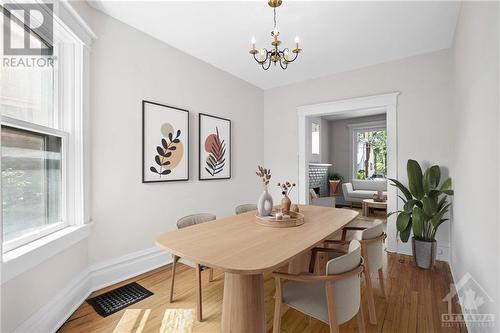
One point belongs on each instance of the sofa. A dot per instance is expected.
(358, 190)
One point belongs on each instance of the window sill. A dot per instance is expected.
(24, 258)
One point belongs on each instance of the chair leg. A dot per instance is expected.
(199, 315)
(277, 306)
(330, 300)
(369, 295)
(369, 289)
(381, 282)
(210, 274)
(361, 320)
(174, 263)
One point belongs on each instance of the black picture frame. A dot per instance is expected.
(201, 160)
(186, 151)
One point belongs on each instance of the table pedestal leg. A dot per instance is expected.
(243, 304)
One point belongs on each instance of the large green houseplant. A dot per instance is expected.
(425, 205)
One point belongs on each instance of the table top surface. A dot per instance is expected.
(237, 244)
(373, 202)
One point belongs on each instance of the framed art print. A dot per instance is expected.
(214, 147)
(165, 143)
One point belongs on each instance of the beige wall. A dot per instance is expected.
(424, 113)
(475, 228)
(128, 66)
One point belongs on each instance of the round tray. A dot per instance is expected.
(294, 220)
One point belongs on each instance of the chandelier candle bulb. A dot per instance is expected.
(297, 42)
(253, 43)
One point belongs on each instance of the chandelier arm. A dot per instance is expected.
(285, 65)
(268, 59)
(295, 57)
(261, 62)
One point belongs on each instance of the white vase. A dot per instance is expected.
(265, 203)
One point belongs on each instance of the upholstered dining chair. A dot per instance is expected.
(244, 208)
(184, 222)
(333, 298)
(372, 249)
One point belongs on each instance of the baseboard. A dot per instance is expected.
(53, 314)
(469, 326)
(122, 268)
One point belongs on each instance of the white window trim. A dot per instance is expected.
(386, 102)
(24, 258)
(355, 128)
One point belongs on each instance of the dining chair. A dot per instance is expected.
(372, 251)
(333, 298)
(184, 222)
(245, 208)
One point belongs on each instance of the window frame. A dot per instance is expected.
(44, 231)
(353, 130)
(67, 125)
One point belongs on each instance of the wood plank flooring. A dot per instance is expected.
(414, 304)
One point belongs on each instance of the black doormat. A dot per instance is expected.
(117, 299)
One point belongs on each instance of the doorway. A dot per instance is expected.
(354, 107)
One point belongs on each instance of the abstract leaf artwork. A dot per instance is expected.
(169, 153)
(215, 147)
(165, 143)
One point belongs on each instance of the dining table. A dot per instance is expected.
(245, 250)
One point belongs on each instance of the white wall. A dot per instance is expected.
(128, 66)
(475, 228)
(340, 138)
(424, 112)
(23, 295)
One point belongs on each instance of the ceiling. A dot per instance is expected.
(335, 36)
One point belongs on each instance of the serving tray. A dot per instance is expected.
(293, 220)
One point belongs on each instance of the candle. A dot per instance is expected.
(296, 42)
(253, 43)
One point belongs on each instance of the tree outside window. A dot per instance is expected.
(371, 157)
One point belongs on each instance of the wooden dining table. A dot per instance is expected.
(244, 250)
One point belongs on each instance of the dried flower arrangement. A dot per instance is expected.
(264, 174)
(286, 187)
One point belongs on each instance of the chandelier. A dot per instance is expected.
(265, 57)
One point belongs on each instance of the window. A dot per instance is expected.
(315, 139)
(370, 153)
(41, 140)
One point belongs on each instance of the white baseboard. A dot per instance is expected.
(53, 314)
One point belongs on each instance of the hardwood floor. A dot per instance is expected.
(414, 304)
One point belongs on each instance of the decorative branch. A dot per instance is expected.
(216, 160)
(164, 153)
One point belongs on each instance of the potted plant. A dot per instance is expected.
(425, 205)
(335, 179)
